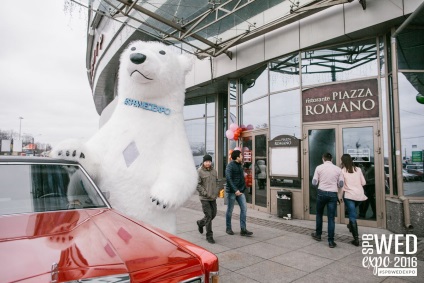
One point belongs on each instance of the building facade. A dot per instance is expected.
(322, 76)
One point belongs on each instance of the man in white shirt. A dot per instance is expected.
(329, 179)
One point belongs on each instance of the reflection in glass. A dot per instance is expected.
(233, 92)
(254, 85)
(247, 166)
(340, 63)
(201, 128)
(210, 106)
(26, 188)
(196, 136)
(382, 57)
(233, 115)
(412, 131)
(285, 114)
(385, 133)
(255, 113)
(284, 73)
(210, 137)
(410, 44)
(194, 108)
(260, 170)
(359, 143)
(393, 176)
(320, 142)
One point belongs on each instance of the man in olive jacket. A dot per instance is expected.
(208, 192)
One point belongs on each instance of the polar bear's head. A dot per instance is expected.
(153, 71)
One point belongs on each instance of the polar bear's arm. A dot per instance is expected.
(76, 150)
(177, 180)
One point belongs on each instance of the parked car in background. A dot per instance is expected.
(408, 177)
(416, 170)
(57, 226)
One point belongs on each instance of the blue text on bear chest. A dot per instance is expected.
(147, 106)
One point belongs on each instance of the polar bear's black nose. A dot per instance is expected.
(137, 58)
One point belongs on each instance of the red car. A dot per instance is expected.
(57, 226)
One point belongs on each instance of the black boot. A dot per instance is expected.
(354, 228)
(349, 226)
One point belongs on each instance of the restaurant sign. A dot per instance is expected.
(344, 101)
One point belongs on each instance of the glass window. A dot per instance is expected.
(382, 57)
(410, 45)
(255, 113)
(254, 85)
(284, 73)
(200, 126)
(194, 108)
(386, 139)
(233, 92)
(233, 115)
(210, 137)
(412, 129)
(210, 106)
(285, 114)
(392, 175)
(389, 53)
(340, 63)
(196, 137)
(38, 188)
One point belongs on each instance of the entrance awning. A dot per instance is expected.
(208, 28)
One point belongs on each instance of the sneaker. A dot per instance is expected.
(229, 232)
(199, 227)
(332, 244)
(210, 240)
(246, 233)
(315, 237)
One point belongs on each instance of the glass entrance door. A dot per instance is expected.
(254, 148)
(361, 142)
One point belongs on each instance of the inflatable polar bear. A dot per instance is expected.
(141, 156)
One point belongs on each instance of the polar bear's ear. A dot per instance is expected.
(186, 61)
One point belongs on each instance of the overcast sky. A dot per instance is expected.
(42, 71)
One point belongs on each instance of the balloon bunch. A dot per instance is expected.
(235, 131)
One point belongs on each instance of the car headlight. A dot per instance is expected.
(118, 278)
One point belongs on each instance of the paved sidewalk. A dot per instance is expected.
(283, 250)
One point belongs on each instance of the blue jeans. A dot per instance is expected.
(241, 200)
(328, 199)
(351, 208)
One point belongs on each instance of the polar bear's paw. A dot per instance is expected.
(71, 154)
(70, 150)
(158, 203)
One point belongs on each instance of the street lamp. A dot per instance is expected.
(20, 126)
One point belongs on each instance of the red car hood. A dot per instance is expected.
(83, 244)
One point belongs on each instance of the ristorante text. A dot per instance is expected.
(343, 101)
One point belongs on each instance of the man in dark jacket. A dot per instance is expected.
(235, 192)
(208, 192)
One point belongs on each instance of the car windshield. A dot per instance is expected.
(26, 188)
